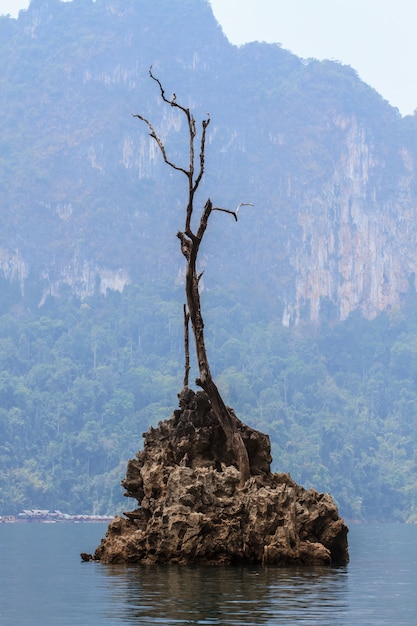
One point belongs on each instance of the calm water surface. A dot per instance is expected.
(43, 583)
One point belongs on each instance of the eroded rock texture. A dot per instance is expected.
(193, 509)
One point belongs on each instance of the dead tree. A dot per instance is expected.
(190, 245)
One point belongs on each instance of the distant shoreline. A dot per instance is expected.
(36, 516)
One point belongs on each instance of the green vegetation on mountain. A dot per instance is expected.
(91, 329)
(81, 381)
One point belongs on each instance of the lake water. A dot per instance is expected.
(43, 583)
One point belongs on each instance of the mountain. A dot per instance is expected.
(309, 299)
(329, 165)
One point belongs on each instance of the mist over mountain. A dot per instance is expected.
(91, 273)
(327, 162)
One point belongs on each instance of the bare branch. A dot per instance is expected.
(186, 346)
(173, 102)
(236, 211)
(160, 145)
(193, 182)
(190, 121)
(208, 207)
(226, 211)
(204, 124)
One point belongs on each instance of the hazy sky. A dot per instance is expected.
(376, 37)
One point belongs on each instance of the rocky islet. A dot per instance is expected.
(192, 507)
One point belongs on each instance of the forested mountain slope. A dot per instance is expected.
(81, 382)
(309, 298)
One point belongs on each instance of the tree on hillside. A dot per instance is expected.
(190, 244)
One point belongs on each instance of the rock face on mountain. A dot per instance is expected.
(329, 165)
(192, 507)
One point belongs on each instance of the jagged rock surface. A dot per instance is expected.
(193, 509)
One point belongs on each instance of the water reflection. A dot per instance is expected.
(230, 596)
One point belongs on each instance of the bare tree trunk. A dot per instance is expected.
(190, 247)
(190, 244)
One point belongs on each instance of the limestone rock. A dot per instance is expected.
(193, 509)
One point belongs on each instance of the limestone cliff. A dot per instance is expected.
(329, 166)
(192, 509)
(356, 247)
